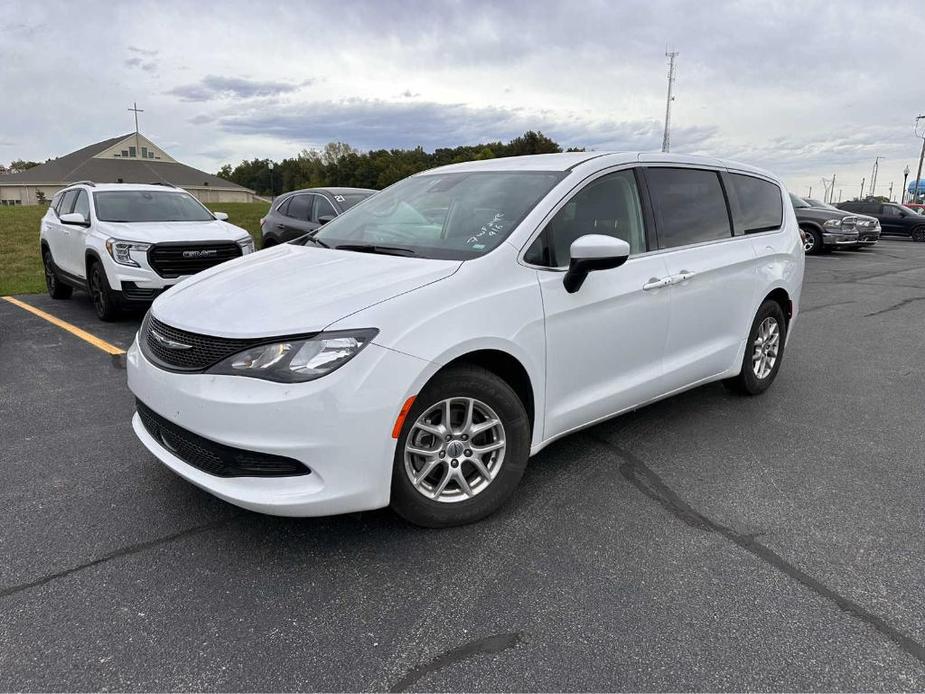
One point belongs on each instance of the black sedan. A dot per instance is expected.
(303, 211)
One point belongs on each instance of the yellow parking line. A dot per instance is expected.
(64, 325)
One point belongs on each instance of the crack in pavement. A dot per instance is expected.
(904, 302)
(116, 554)
(822, 306)
(488, 645)
(637, 473)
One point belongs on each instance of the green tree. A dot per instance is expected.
(21, 165)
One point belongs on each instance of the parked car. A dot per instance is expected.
(126, 243)
(895, 219)
(303, 211)
(868, 228)
(824, 229)
(916, 207)
(397, 356)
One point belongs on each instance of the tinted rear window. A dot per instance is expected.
(758, 204)
(348, 200)
(300, 207)
(690, 206)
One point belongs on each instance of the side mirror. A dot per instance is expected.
(325, 218)
(74, 218)
(593, 252)
(220, 216)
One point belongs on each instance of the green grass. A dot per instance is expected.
(21, 265)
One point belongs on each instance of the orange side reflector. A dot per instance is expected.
(400, 422)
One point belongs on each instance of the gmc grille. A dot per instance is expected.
(215, 458)
(177, 259)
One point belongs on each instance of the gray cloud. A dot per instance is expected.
(147, 66)
(370, 124)
(215, 87)
(144, 51)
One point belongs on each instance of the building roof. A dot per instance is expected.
(84, 165)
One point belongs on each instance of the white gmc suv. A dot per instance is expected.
(126, 243)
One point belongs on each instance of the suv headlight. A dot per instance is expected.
(247, 245)
(121, 251)
(297, 361)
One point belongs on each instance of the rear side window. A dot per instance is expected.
(283, 206)
(758, 205)
(689, 205)
(300, 207)
(323, 208)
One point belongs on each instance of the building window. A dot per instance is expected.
(124, 152)
(132, 152)
(144, 152)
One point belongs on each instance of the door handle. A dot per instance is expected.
(656, 283)
(683, 276)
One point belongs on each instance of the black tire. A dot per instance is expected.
(489, 390)
(813, 244)
(747, 382)
(918, 234)
(105, 301)
(268, 243)
(56, 288)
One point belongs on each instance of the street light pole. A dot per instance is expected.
(861, 196)
(918, 176)
(902, 200)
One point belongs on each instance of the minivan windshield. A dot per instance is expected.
(455, 216)
(149, 206)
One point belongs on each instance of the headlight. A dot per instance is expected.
(121, 251)
(296, 361)
(247, 245)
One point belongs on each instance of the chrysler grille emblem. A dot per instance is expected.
(199, 254)
(167, 342)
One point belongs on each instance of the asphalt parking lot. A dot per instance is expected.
(706, 542)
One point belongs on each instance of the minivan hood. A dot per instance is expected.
(158, 232)
(291, 289)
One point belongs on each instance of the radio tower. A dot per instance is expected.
(666, 139)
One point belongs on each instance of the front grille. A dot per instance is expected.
(215, 458)
(176, 259)
(179, 350)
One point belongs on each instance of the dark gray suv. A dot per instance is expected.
(302, 211)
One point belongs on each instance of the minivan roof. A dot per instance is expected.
(567, 161)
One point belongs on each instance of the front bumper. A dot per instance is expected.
(339, 426)
(839, 238)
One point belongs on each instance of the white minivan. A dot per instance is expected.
(418, 349)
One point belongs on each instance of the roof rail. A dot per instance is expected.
(81, 183)
(163, 183)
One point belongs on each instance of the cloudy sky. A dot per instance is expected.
(802, 88)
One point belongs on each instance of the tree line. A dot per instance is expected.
(339, 164)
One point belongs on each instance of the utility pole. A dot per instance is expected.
(891, 191)
(873, 176)
(861, 196)
(839, 195)
(666, 138)
(902, 197)
(832, 190)
(137, 111)
(918, 176)
(810, 192)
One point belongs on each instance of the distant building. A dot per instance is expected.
(131, 158)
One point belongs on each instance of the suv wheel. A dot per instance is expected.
(812, 242)
(462, 449)
(56, 288)
(764, 351)
(918, 234)
(104, 299)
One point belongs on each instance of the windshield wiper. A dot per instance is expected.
(374, 248)
(300, 240)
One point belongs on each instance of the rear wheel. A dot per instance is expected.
(462, 450)
(918, 234)
(104, 299)
(812, 241)
(764, 351)
(56, 288)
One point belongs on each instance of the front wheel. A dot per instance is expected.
(812, 242)
(462, 449)
(104, 299)
(764, 351)
(918, 234)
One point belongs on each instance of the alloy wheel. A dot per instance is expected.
(455, 449)
(766, 347)
(96, 292)
(50, 280)
(809, 241)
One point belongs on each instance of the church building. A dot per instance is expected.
(131, 158)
